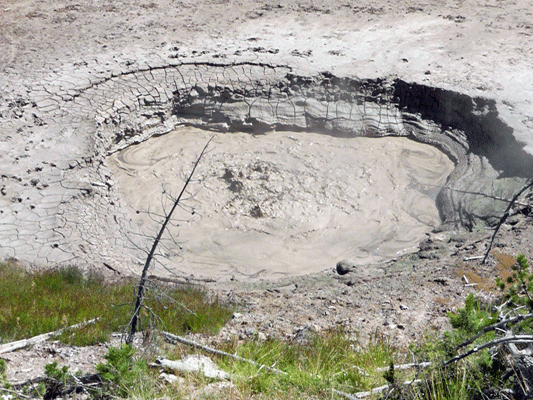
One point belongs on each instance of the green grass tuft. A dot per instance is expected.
(32, 303)
(314, 367)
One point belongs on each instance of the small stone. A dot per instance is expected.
(237, 316)
(442, 280)
(345, 266)
(249, 331)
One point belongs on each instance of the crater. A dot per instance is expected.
(291, 169)
(305, 169)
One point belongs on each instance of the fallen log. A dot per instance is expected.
(218, 352)
(19, 344)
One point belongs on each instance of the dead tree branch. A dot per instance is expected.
(19, 344)
(218, 352)
(493, 327)
(496, 342)
(528, 185)
(17, 394)
(406, 366)
(141, 289)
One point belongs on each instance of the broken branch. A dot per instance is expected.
(493, 327)
(492, 343)
(218, 352)
(19, 344)
(151, 254)
(504, 217)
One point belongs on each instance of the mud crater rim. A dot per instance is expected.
(79, 215)
(256, 99)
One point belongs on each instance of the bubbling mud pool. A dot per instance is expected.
(282, 203)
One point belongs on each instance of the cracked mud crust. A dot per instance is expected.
(81, 80)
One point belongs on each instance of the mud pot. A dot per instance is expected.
(284, 203)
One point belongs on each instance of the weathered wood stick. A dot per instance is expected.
(19, 344)
(218, 352)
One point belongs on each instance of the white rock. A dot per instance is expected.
(195, 363)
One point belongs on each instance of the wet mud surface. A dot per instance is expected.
(284, 203)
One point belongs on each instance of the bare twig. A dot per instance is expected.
(142, 281)
(472, 258)
(488, 196)
(86, 380)
(492, 343)
(79, 383)
(493, 327)
(528, 185)
(162, 295)
(406, 366)
(359, 369)
(17, 394)
(218, 352)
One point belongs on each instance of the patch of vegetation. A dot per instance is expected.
(32, 303)
(318, 366)
(61, 375)
(468, 378)
(314, 366)
(504, 265)
(468, 363)
(519, 289)
(124, 373)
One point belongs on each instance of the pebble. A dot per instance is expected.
(345, 266)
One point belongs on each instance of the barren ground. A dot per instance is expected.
(481, 48)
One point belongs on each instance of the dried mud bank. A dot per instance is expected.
(69, 211)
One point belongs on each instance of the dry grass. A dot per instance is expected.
(443, 301)
(505, 262)
(482, 282)
(485, 280)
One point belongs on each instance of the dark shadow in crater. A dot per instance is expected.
(488, 136)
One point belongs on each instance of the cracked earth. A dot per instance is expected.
(80, 82)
